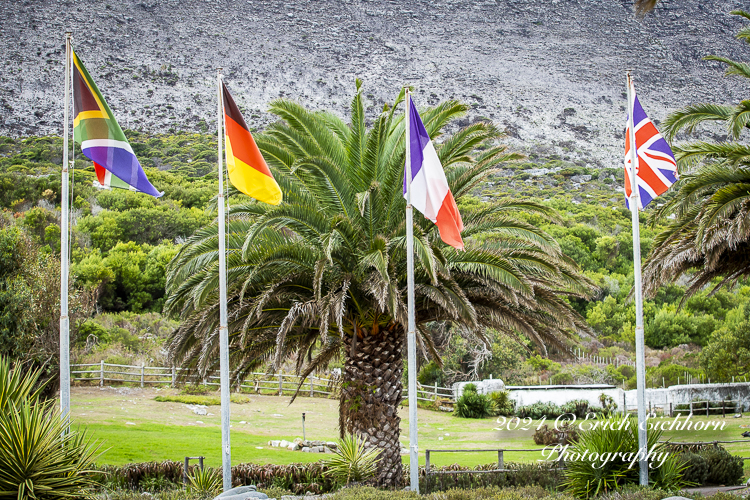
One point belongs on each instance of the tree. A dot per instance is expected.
(30, 305)
(728, 353)
(709, 235)
(323, 275)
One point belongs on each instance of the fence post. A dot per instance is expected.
(427, 462)
(723, 409)
(671, 410)
(436, 396)
(500, 460)
(312, 387)
(708, 407)
(142, 373)
(101, 374)
(174, 377)
(281, 390)
(691, 408)
(185, 471)
(200, 463)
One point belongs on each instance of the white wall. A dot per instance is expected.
(680, 394)
(557, 394)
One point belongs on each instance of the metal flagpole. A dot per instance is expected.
(411, 335)
(64, 251)
(226, 452)
(640, 361)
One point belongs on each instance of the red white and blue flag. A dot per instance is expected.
(657, 169)
(430, 193)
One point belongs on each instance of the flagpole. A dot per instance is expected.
(411, 334)
(640, 361)
(64, 245)
(226, 455)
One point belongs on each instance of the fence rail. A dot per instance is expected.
(279, 383)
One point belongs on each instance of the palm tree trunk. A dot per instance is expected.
(370, 396)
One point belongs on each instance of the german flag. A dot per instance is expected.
(248, 171)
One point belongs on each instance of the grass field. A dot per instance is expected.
(133, 427)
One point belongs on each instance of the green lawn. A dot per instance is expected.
(136, 428)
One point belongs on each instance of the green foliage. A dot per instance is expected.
(471, 404)
(430, 374)
(696, 471)
(206, 481)
(723, 467)
(587, 477)
(130, 277)
(521, 481)
(539, 410)
(354, 461)
(201, 400)
(29, 304)
(39, 457)
(196, 390)
(502, 404)
(728, 353)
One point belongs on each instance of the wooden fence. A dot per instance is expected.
(725, 407)
(261, 383)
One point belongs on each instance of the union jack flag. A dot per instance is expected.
(657, 169)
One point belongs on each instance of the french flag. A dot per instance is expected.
(430, 193)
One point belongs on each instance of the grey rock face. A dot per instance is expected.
(550, 72)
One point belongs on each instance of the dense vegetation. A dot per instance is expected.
(123, 241)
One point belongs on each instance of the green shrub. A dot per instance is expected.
(697, 468)
(206, 482)
(201, 400)
(195, 390)
(40, 457)
(723, 467)
(502, 404)
(586, 477)
(537, 477)
(562, 378)
(353, 461)
(471, 404)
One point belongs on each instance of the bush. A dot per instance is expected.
(547, 436)
(586, 477)
(473, 405)
(697, 468)
(40, 457)
(502, 403)
(537, 477)
(562, 378)
(723, 467)
(353, 461)
(295, 478)
(201, 400)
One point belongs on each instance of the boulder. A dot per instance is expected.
(306, 449)
(238, 491)
(284, 443)
(275, 444)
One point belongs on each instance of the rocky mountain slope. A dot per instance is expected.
(551, 72)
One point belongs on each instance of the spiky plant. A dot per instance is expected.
(40, 457)
(206, 481)
(323, 275)
(354, 462)
(708, 235)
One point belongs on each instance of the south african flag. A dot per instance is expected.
(101, 138)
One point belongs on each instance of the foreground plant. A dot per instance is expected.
(588, 474)
(323, 275)
(206, 481)
(354, 462)
(40, 457)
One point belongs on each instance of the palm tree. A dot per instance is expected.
(323, 275)
(709, 234)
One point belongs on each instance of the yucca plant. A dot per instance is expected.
(206, 481)
(40, 457)
(353, 461)
(586, 477)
